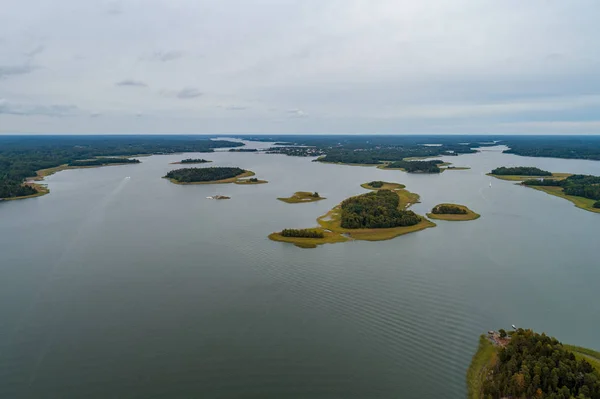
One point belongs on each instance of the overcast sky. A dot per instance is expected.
(300, 66)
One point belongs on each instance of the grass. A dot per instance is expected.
(330, 225)
(592, 356)
(386, 186)
(555, 176)
(330, 238)
(485, 357)
(470, 215)
(300, 197)
(580, 202)
(223, 181)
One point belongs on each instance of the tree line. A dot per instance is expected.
(520, 171)
(376, 184)
(377, 209)
(447, 209)
(102, 161)
(586, 186)
(302, 233)
(191, 175)
(22, 156)
(537, 366)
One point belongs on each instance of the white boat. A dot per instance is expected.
(514, 327)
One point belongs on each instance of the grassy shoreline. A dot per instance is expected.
(555, 176)
(477, 371)
(580, 202)
(470, 215)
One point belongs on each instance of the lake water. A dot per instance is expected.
(138, 288)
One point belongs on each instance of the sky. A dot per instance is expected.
(300, 66)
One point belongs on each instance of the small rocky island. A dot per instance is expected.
(452, 212)
(375, 216)
(252, 180)
(215, 175)
(300, 197)
(190, 161)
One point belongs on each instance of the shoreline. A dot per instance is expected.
(454, 217)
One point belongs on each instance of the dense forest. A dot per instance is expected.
(376, 184)
(194, 160)
(417, 166)
(22, 156)
(579, 185)
(103, 161)
(520, 171)
(576, 147)
(191, 175)
(243, 150)
(378, 209)
(537, 366)
(302, 233)
(447, 209)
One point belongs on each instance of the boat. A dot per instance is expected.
(514, 327)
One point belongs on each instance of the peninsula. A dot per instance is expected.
(300, 197)
(520, 173)
(452, 212)
(581, 190)
(190, 161)
(207, 175)
(379, 215)
(522, 363)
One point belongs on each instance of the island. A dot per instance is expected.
(581, 190)
(243, 150)
(252, 180)
(452, 212)
(215, 175)
(415, 166)
(524, 364)
(300, 197)
(520, 173)
(190, 161)
(379, 215)
(382, 185)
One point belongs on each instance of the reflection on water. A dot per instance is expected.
(141, 288)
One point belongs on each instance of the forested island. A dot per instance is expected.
(582, 190)
(382, 185)
(452, 212)
(520, 173)
(416, 166)
(379, 215)
(190, 161)
(243, 150)
(524, 364)
(22, 157)
(207, 175)
(301, 197)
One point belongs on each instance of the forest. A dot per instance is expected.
(103, 161)
(191, 175)
(243, 150)
(579, 185)
(376, 184)
(378, 209)
(302, 233)
(570, 147)
(416, 166)
(520, 171)
(194, 160)
(534, 365)
(446, 209)
(22, 156)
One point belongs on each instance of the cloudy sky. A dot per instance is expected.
(300, 66)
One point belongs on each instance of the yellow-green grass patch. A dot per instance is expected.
(591, 356)
(329, 238)
(580, 202)
(300, 197)
(470, 215)
(483, 360)
(223, 181)
(248, 181)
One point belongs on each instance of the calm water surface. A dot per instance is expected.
(138, 288)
